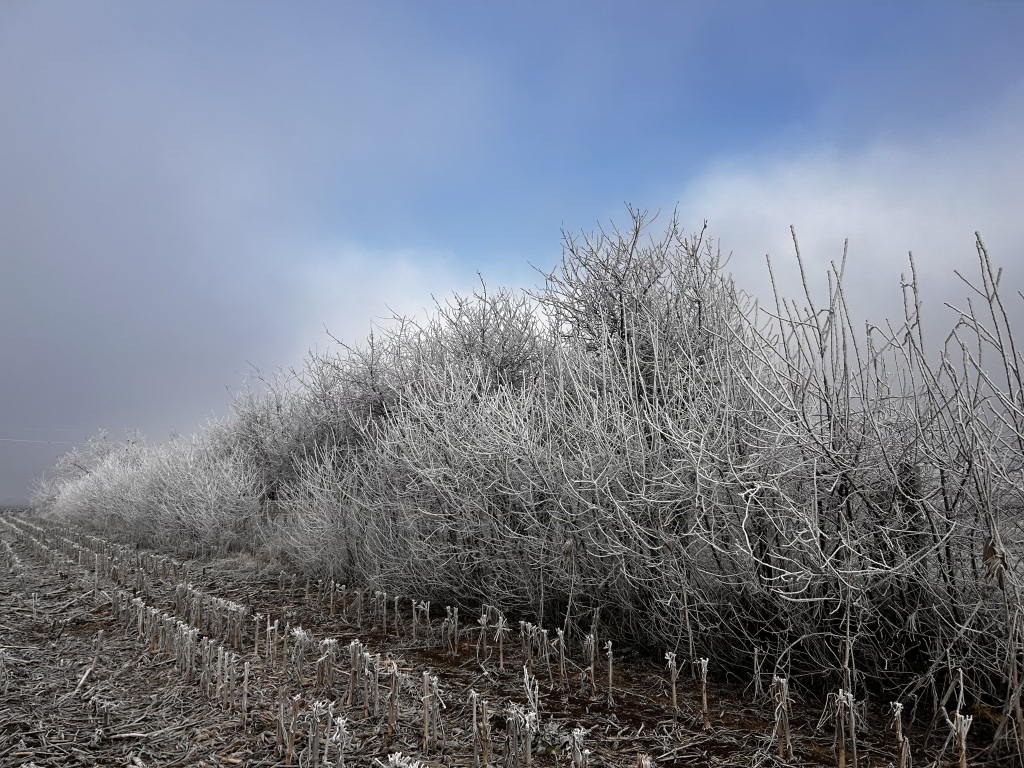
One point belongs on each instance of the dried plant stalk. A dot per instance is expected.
(842, 701)
(902, 742)
(485, 733)
(702, 672)
(959, 726)
(475, 730)
(525, 638)
(673, 672)
(481, 643)
(560, 639)
(758, 687)
(355, 653)
(501, 630)
(426, 712)
(393, 700)
(343, 737)
(590, 652)
(608, 652)
(578, 756)
(450, 632)
(245, 695)
(281, 726)
(780, 695)
(328, 732)
(293, 720)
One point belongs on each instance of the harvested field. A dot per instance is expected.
(116, 656)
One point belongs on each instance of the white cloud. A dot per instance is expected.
(348, 289)
(889, 198)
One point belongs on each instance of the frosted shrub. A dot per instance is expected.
(104, 497)
(183, 490)
(191, 491)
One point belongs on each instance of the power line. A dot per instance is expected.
(52, 429)
(48, 442)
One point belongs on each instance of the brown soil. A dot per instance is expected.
(74, 698)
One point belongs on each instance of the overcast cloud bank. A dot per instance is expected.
(193, 192)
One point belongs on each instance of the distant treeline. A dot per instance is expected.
(639, 441)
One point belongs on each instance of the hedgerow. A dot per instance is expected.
(638, 442)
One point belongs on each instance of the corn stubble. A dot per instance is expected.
(312, 720)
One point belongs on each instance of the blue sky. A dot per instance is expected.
(191, 189)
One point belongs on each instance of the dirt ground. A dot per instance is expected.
(110, 656)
